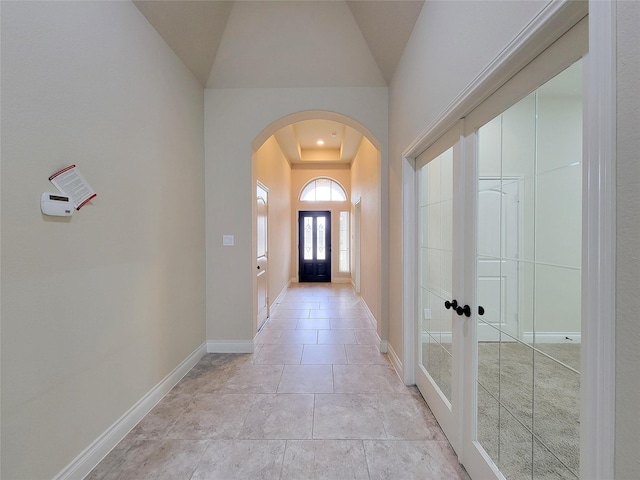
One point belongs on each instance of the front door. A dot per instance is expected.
(314, 246)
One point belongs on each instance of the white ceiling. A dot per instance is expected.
(270, 43)
(299, 142)
(279, 44)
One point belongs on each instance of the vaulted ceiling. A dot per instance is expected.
(278, 44)
(307, 43)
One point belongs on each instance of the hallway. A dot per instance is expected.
(315, 401)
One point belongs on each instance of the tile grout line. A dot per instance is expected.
(313, 418)
(366, 459)
(284, 455)
(195, 469)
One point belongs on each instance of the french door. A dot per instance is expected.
(440, 297)
(500, 208)
(314, 244)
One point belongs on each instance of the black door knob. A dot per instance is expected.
(466, 310)
(453, 304)
(480, 310)
(258, 267)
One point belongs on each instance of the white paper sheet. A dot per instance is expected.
(71, 182)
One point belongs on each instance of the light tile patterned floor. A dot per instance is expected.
(317, 400)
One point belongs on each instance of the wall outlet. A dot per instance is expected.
(427, 314)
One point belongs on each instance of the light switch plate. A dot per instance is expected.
(228, 240)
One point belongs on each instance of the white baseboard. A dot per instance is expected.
(383, 345)
(492, 335)
(395, 361)
(346, 279)
(230, 346)
(443, 337)
(281, 295)
(553, 337)
(368, 310)
(82, 465)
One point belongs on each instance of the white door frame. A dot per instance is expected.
(357, 214)
(265, 273)
(598, 331)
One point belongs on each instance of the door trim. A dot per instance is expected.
(599, 233)
(553, 21)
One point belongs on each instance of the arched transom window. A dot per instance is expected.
(323, 190)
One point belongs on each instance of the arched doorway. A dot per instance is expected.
(286, 174)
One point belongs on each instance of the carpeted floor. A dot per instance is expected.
(528, 405)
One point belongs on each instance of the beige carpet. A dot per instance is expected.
(528, 406)
(529, 409)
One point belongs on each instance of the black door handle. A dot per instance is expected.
(453, 304)
(258, 267)
(466, 310)
(480, 310)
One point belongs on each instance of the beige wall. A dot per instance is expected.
(234, 119)
(113, 98)
(273, 171)
(426, 81)
(627, 444)
(96, 310)
(365, 186)
(300, 176)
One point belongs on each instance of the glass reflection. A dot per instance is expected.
(321, 253)
(528, 262)
(308, 238)
(435, 238)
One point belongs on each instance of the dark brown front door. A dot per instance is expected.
(314, 246)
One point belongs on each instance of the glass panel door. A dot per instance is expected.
(436, 375)
(314, 263)
(528, 284)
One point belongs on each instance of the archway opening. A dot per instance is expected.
(288, 157)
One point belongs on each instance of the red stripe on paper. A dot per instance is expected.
(61, 171)
(86, 201)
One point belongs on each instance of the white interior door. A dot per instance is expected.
(498, 249)
(262, 216)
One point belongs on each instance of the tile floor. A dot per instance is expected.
(315, 401)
